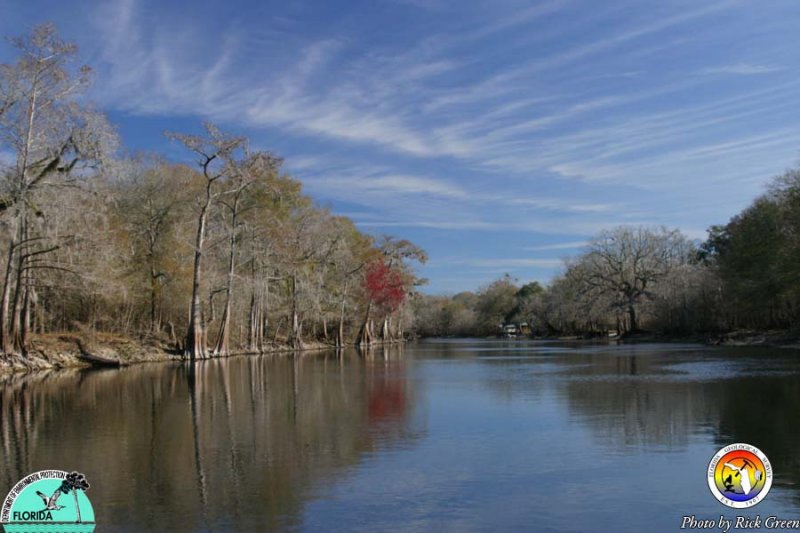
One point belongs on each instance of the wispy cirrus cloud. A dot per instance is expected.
(742, 69)
(372, 101)
(393, 185)
(572, 245)
(516, 263)
(497, 263)
(522, 17)
(556, 118)
(440, 224)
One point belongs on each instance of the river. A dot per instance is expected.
(447, 435)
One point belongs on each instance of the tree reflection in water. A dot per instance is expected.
(232, 444)
(659, 397)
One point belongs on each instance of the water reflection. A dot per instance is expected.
(660, 398)
(665, 399)
(234, 445)
(635, 401)
(468, 435)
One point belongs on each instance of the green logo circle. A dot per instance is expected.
(48, 501)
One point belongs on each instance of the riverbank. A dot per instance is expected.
(769, 339)
(71, 350)
(66, 350)
(789, 339)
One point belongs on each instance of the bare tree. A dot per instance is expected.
(216, 153)
(625, 263)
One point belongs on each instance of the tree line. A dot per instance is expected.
(745, 275)
(219, 255)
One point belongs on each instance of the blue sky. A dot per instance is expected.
(498, 135)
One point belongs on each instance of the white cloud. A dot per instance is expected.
(516, 263)
(614, 40)
(742, 69)
(398, 184)
(564, 205)
(573, 245)
(543, 225)
(461, 225)
(524, 16)
(495, 263)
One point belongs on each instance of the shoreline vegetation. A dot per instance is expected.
(787, 339)
(59, 351)
(68, 350)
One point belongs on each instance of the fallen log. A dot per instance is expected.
(96, 360)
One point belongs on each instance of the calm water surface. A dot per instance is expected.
(439, 435)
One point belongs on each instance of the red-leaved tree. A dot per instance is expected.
(385, 286)
(386, 292)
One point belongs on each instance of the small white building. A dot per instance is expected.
(509, 330)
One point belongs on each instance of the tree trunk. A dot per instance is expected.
(385, 335)
(224, 326)
(5, 333)
(155, 326)
(26, 313)
(257, 313)
(277, 331)
(194, 347)
(263, 323)
(340, 328)
(253, 320)
(16, 309)
(22, 216)
(632, 314)
(172, 337)
(295, 341)
(365, 335)
(39, 321)
(340, 333)
(77, 507)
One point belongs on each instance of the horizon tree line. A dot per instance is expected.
(745, 275)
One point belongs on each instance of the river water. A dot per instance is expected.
(446, 435)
